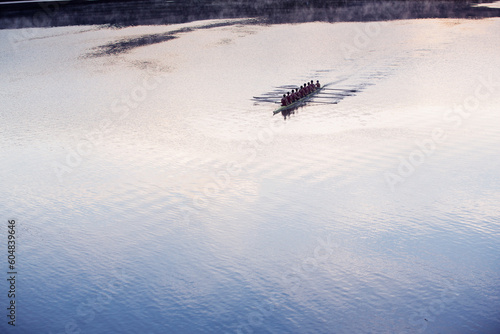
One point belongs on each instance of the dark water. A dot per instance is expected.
(126, 13)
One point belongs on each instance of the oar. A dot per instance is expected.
(330, 97)
(334, 94)
(344, 90)
(322, 102)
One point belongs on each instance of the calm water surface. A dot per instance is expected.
(154, 194)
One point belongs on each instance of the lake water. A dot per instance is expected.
(154, 191)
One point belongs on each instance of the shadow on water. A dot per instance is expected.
(150, 12)
(331, 93)
(325, 98)
(127, 44)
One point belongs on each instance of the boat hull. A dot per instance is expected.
(297, 103)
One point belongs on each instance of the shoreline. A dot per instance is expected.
(15, 15)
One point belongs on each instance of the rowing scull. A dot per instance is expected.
(298, 102)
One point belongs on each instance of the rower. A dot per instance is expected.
(317, 84)
(302, 91)
(313, 87)
(296, 95)
(283, 100)
(288, 98)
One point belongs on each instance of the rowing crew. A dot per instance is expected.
(299, 93)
